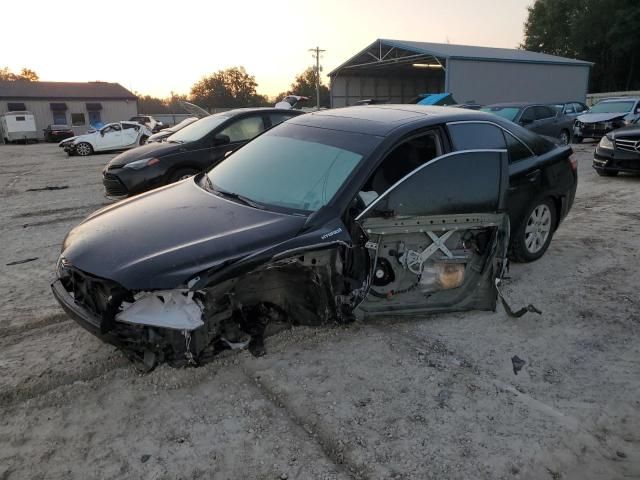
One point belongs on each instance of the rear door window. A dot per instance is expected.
(542, 112)
(517, 150)
(474, 136)
(244, 129)
(276, 118)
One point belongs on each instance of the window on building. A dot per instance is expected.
(77, 119)
(95, 118)
(59, 118)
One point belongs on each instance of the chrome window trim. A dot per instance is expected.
(424, 165)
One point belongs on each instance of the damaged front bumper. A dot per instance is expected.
(81, 315)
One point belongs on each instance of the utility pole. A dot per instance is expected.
(316, 54)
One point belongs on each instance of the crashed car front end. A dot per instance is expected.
(189, 323)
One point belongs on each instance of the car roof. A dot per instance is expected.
(519, 104)
(380, 120)
(239, 111)
(617, 99)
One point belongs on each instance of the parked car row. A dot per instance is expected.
(551, 120)
(382, 208)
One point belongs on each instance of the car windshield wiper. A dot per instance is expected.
(233, 195)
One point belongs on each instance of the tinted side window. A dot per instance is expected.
(277, 118)
(126, 126)
(244, 129)
(402, 160)
(473, 136)
(528, 115)
(580, 107)
(534, 141)
(463, 182)
(570, 108)
(517, 150)
(544, 112)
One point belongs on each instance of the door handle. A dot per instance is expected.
(533, 176)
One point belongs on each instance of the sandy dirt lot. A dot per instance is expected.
(399, 398)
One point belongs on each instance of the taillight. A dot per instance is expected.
(574, 163)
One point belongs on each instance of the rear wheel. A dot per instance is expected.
(577, 139)
(534, 235)
(565, 137)
(607, 173)
(83, 149)
(181, 174)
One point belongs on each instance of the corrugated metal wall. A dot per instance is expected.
(347, 90)
(493, 82)
(112, 111)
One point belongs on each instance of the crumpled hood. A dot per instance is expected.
(69, 140)
(145, 151)
(87, 137)
(160, 239)
(600, 117)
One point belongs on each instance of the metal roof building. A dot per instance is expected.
(399, 70)
(76, 104)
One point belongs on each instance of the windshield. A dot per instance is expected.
(509, 113)
(292, 166)
(182, 124)
(198, 129)
(612, 107)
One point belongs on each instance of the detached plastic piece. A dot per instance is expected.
(164, 309)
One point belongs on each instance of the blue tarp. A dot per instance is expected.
(436, 99)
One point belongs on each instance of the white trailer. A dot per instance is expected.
(18, 126)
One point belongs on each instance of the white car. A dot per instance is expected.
(113, 136)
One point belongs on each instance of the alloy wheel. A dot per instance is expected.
(83, 149)
(538, 228)
(564, 138)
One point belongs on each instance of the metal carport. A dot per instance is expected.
(398, 71)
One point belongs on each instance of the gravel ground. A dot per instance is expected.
(431, 397)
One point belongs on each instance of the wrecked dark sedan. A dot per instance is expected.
(375, 210)
(618, 151)
(606, 116)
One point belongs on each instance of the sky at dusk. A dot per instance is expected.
(155, 47)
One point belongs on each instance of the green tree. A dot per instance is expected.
(149, 104)
(232, 87)
(606, 32)
(26, 74)
(305, 85)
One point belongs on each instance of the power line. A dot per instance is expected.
(316, 54)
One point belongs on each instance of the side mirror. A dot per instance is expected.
(221, 139)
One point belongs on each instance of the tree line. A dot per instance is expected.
(605, 32)
(233, 88)
(229, 88)
(26, 74)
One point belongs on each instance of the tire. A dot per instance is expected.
(534, 235)
(577, 139)
(181, 174)
(607, 173)
(143, 140)
(83, 149)
(565, 137)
